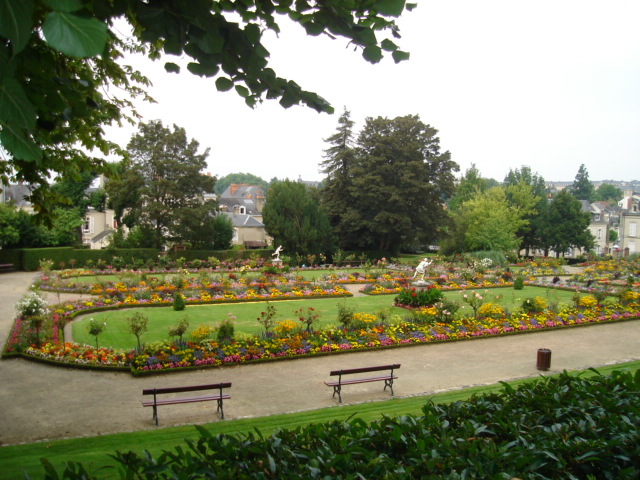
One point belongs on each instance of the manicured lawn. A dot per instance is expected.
(162, 318)
(116, 334)
(93, 451)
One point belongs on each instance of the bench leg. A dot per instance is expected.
(155, 414)
(220, 409)
(337, 389)
(389, 383)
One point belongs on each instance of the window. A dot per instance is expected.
(87, 226)
(242, 210)
(633, 229)
(599, 234)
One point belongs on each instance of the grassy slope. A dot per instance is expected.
(14, 460)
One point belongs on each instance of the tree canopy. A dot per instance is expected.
(60, 70)
(172, 189)
(393, 185)
(582, 188)
(566, 225)
(292, 216)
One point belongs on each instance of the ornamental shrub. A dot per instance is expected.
(180, 328)
(178, 302)
(226, 329)
(345, 314)
(31, 305)
(414, 298)
(534, 305)
(518, 283)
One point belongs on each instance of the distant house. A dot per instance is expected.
(242, 199)
(98, 227)
(243, 205)
(629, 221)
(16, 195)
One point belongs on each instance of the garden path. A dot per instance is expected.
(40, 402)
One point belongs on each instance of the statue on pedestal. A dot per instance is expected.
(276, 254)
(421, 269)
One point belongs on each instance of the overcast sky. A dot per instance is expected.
(550, 84)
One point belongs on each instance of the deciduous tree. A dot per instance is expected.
(567, 226)
(173, 182)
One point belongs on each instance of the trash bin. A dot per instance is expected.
(544, 359)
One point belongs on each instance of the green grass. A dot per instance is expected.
(94, 450)
(116, 335)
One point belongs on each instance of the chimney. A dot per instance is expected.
(233, 187)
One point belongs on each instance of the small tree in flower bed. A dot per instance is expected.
(308, 317)
(414, 298)
(266, 318)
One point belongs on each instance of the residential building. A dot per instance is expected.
(243, 205)
(629, 224)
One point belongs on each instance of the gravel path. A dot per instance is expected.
(40, 402)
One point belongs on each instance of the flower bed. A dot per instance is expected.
(208, 352)
(424, 325)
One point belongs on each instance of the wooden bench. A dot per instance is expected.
(6, 267)
(218, 396)
(387, 379)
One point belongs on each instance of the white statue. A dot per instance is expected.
(422, 268)
(277, 253)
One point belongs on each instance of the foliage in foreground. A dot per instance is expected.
(557, 427)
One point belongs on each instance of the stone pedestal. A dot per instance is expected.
(420, 283)
(277, 262)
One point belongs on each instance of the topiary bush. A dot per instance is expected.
(518, 283)
(178, 302)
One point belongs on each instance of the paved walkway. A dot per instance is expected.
(39, 402)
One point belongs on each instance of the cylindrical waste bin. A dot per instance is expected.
(544, 359)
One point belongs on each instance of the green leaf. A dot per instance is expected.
(399, 56)
(172, 67)
(314, 29)
(15, 107)
(20, 145)
(73, 35)
(388, 45)
(203, 70)
(211, 42)
(372, 54)
(242, 91)
(223, 84)
(392, 8)
(67, 6)
(16, 22)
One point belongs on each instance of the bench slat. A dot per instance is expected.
(360, 380)
(364, 369)
(176, 401)
(192, 388)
